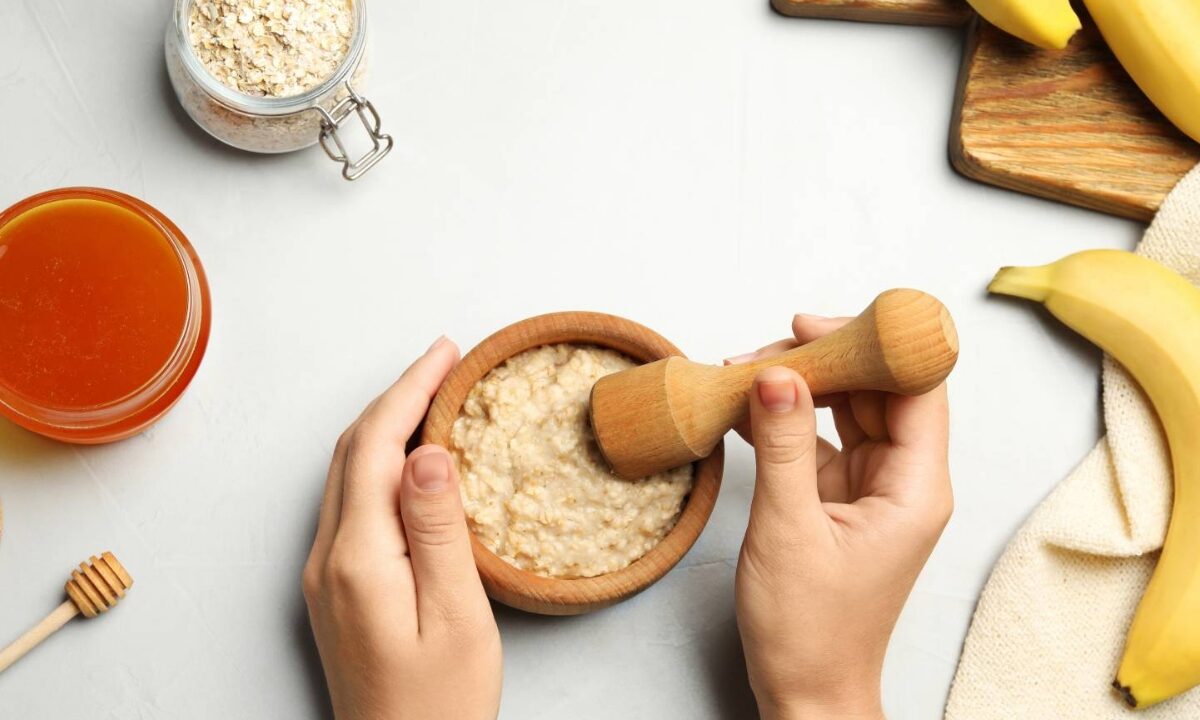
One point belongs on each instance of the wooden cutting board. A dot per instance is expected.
(1067, 125)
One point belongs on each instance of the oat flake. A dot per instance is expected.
(273, 48)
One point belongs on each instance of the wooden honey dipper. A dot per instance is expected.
(94, 588)
(672, 412)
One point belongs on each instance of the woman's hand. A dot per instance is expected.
(836, 538)
(400, 617)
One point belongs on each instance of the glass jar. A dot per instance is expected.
(279, 124)
(104, 314)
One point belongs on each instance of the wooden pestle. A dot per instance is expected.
(94, 588)
(672, 412)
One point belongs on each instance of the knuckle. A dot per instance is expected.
(364, 440)
(371, 446)
(433, 523)
(347, 574)
(343, 442)
(784, 444)
(310, 582)
(345, 581)
(372, 432)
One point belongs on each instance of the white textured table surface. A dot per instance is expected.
(707, 169)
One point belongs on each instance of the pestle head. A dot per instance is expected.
(642, 417)
(98, 584)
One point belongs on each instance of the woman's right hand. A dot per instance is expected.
(836, 538)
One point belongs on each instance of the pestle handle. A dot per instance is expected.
(670, 412)
(903, 343)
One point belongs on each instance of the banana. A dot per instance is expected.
(1158, 44)
(1045, 23)
(1148, 318)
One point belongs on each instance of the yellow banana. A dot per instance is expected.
(1045, 23)
(1158, 43)
(1148, 318)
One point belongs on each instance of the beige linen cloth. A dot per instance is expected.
(1048, 632)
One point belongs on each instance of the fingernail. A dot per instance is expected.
(738, 359)
(437, 343)
(777, 397)
(806, 316)
(430, 472)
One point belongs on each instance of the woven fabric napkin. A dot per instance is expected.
(1050, 626)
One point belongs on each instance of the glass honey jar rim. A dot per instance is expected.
(266, 105)
(133, 412)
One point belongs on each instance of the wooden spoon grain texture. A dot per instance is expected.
(1068, 125)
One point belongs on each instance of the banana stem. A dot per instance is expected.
(1031, 283)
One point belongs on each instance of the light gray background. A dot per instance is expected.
(706, 168)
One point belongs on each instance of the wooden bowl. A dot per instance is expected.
(528, 591)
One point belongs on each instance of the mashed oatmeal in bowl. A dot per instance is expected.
(536, 490)
(552, 531)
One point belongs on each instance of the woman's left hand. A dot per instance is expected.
(400, 617)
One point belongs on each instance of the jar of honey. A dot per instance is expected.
(104, 314)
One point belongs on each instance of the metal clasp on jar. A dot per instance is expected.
(331, 122)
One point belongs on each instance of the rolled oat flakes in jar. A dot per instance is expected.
(273, 76)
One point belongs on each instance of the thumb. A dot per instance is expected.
(439, 544)
(783, 422)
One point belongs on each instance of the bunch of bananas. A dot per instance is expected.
(1148, 318)
(1157, 41)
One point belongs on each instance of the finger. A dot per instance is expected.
(375, 454)
(775, 348)
(784, 423)
(331, 502)
(919, 428)
(807, 328)
(921, 422)
(824, 447)
(402, 406)
(850, 433)
(833, 476)
(870, 413)
(831, 400)
(826, 452)
(439, 545)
